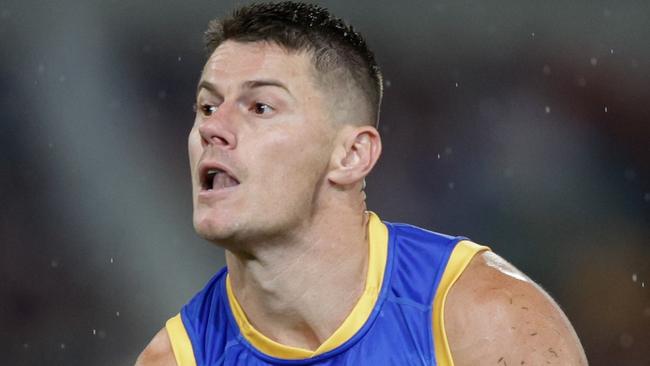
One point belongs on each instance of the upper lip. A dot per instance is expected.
(206, 166)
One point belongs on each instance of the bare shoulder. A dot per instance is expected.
(158, 352)
(496, 315)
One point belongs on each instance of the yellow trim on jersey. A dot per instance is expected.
(460, 257)
(377, 257)
(180, 341)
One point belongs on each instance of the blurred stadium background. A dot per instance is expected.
(522, 125)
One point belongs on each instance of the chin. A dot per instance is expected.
(214, 229)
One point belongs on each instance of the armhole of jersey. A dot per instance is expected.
(460, 257)
(181, 344)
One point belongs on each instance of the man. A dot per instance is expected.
(283, 139)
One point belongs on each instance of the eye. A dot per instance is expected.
(261, 108)
(205, 109)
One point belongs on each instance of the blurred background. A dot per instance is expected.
(522, 125)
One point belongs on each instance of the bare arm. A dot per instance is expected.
(158, 352)
(495, 315)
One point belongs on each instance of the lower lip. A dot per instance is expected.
(212, 194)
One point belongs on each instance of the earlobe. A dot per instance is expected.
(356, 155)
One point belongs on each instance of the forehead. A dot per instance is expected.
(236, 61)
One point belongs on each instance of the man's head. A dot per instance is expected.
(340, 56)
(284, 127)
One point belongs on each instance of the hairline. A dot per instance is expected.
(319, 77)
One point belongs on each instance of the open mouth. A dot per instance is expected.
(214, 179)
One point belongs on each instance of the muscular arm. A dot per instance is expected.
(158, 352)
(495, 315)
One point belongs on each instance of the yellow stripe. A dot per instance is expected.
(257, 339)
(378, 253)
(458, 261)
(180, 341)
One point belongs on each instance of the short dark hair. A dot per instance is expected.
(296, 27)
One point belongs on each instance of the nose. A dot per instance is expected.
(218, 128)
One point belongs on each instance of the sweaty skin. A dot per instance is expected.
(495, 315)
(263, 120)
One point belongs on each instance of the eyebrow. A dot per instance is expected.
(250, 84)
(203, 84)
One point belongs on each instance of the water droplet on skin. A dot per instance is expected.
(611, 51)
(179, 58)
(112, 260)
(605, 109)
(94, 331)
(62, 346)
(593, 61)
(547, 109)
(633, 277)
(532, 34)
(438, 156)
(117, 314)
(457, 85)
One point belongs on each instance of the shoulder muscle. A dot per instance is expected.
(158, 352)
(496, 315)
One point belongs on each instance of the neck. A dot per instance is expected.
(298, 293)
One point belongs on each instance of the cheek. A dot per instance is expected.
(194, 149)
(296, 165)
(194, 144)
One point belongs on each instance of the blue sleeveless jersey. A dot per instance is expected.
(398, 321)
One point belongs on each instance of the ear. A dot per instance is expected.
(355, 155)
